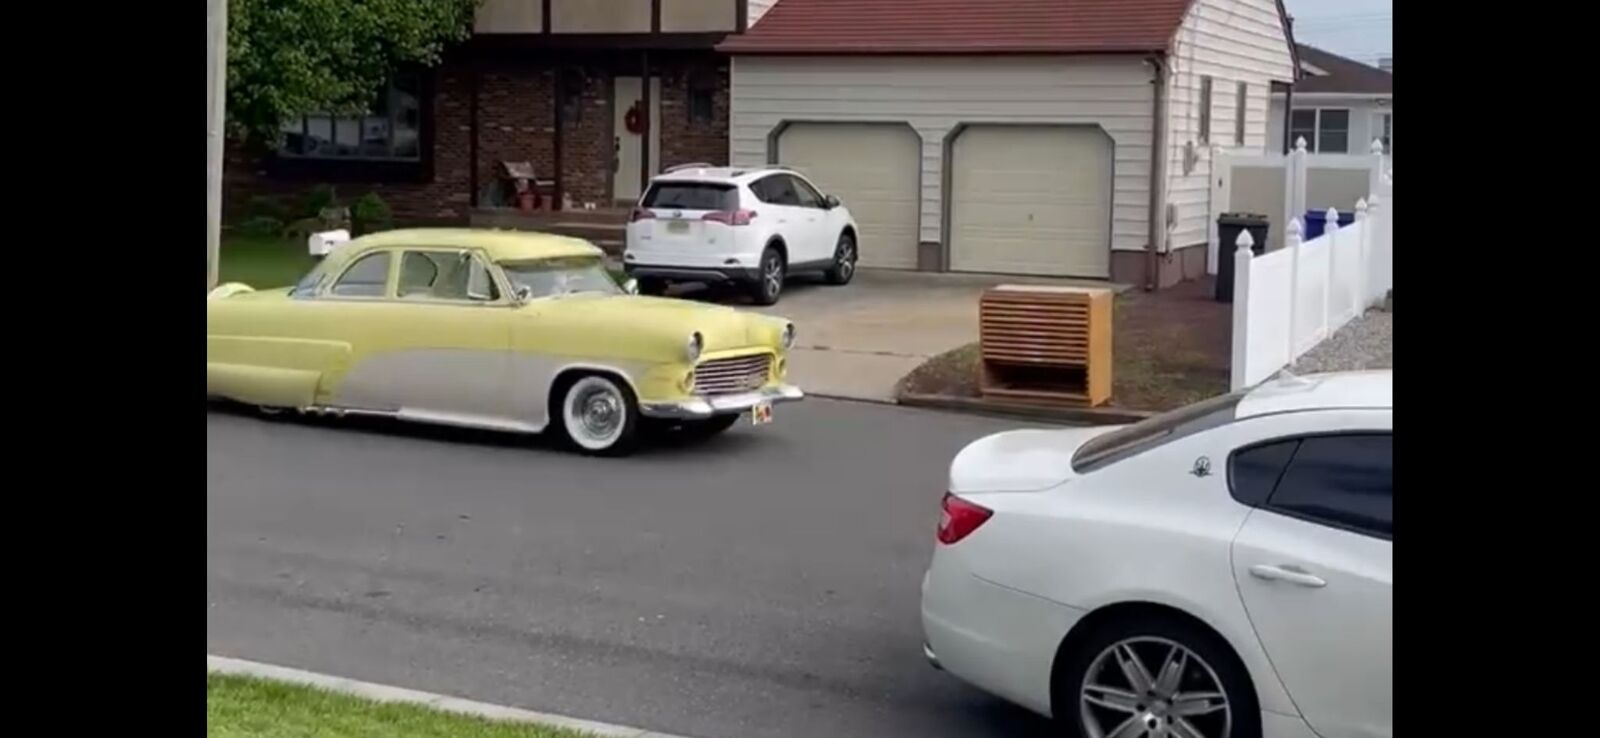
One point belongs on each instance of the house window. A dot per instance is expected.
(1385, 131)
(1326, 130)
(702, 98)
(389, 130)
(1205, 109)
(1238, 113)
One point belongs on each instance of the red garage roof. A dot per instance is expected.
(961, 26)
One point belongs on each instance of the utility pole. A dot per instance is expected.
(216, 110)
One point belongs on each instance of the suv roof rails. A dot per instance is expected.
(690, 165)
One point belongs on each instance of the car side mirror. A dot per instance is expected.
(830, 201)
(631, 286)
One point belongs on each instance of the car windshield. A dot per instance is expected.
(1155, 431)
(307, 286)
(557, 277)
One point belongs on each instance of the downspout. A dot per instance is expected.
(1288, 115)
(1158, 169)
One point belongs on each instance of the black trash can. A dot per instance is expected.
(1229, 225)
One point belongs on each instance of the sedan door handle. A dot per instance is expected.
(1290, 574)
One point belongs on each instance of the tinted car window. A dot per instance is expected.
(691, 196)
(1346, 481)
(1254, 471)
(776, 190)
(1152, 432)
(365, 278)
(805, 194)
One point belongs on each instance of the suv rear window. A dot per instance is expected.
(1152, 432)
(692, 196)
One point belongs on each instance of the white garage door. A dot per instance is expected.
(1031, 200)
(872, 167)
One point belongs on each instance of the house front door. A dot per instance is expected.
(628, 145)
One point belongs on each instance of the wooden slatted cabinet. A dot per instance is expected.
(1046, 344)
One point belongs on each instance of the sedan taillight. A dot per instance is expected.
(960, 518)
(730, 217)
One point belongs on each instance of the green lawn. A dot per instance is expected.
(263, 263)
(241, 707)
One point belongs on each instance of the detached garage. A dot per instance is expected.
(1015, 137)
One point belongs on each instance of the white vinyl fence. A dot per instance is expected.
(1289, 300)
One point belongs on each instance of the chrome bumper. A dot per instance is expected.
(695, 408)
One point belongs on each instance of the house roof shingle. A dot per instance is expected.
(1343, 75)
(961, 26)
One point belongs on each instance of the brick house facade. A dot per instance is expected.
(483, 106)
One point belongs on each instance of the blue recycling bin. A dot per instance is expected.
(1316, 221)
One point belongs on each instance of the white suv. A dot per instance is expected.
(755, 227)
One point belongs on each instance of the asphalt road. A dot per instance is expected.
(762, 584)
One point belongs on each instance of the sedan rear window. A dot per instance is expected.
(1155, 431)
(691, 196)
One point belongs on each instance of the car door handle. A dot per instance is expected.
(1290, 574)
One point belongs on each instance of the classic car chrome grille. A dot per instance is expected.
(729, 376)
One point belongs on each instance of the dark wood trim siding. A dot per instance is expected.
(741, 22)
(655, 16)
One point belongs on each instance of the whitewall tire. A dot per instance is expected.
(599, 415)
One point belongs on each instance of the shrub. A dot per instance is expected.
(266, 206)
(370, 214)
(317, 199)
(261, 226)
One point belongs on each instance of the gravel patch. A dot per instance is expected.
(1364, 343)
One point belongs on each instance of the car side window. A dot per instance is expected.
(445, 275)
(778, 190)
(1254, 471)
(367, 277)
(806, 195)
(1345, 481)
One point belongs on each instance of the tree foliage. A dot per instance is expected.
(288, 58)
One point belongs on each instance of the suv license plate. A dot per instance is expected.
(677, 226)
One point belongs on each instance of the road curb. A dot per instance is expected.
(1073, 415)
(385, 693)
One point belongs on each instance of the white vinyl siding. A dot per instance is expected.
(937, 94)
(1232, 42)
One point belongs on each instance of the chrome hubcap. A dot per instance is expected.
(595, 412)
(601, 412)
(1153, 687)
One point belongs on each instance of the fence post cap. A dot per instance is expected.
(1377, 146)
(1373, 200)
(1245, 241)
(1333, 216)
(1300, 144)
(1361, 206)
(1294, 229)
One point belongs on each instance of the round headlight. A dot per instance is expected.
(692, 349)
(788, 336)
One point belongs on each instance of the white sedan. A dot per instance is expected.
(1223, 570)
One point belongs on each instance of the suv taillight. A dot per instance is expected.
(639, 214)
(960, 518)
(730, 217)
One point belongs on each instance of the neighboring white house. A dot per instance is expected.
(1013, 137)
(1340, 105)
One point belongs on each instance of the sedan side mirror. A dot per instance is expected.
(631, 286)
(831, 201)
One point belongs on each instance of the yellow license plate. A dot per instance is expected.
(677, 226)
(761, 414)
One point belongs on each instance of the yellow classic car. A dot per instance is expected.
(492, 329)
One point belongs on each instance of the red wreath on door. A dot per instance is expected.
(634, 120)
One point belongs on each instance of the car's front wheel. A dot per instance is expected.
(1151, 675)
(599, 415)
(844, 260)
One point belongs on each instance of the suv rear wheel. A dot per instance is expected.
(769, 279)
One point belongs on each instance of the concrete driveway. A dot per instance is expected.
(857, 341)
